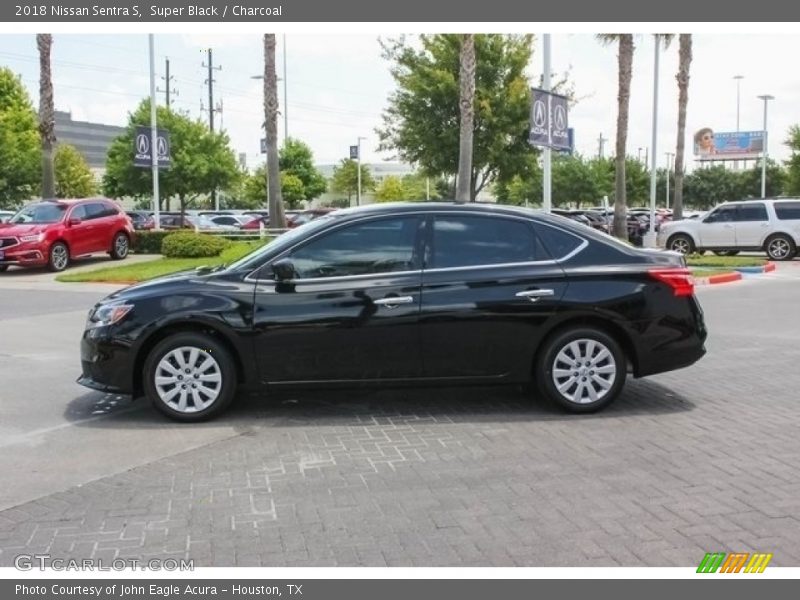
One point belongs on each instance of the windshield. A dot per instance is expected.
(281, 242)
(46, 212)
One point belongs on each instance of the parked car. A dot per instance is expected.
(141, 219)
(231, 222)
(771, 225)
(412, 293)
(304, 216)
(53, 232)
(5, 215)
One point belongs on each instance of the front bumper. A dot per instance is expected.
(105, 362)
(23, 256)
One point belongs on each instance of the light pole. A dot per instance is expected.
(649, 240)
(738, 79)
(547, 188)
(285, 96)
(669, 164)
(154, 131)
(766, 98)
(358, 193)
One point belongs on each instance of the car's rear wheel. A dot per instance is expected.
(780, 247)
(58, 260)
(120, 247)
(190, 377)
(681, 243)
(582, 369)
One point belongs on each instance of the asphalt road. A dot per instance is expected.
(706, 457)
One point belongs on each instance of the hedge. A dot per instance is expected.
(149, 242)
(192, 245)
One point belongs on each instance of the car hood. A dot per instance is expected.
(18, 229)
(167, 284)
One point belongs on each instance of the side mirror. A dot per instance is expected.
(74, 221)
(283, 269)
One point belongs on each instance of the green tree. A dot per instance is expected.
(418, 186)
(202, 160)
(345, 178)
(73, 177)
(573, 182)
(778, 181)
(466, 103)
(422, 121)
(390, 189)
(20, 153)
(277, 219)
(706, 187)
(296, 158)
(792, 165)
(292, 189)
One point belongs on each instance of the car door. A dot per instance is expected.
(752, 225)
(79, 235)
(487, 287)
(351, 313)
(718, 229)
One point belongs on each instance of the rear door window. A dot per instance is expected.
(756, 211)
(466, 241)
(786, 211)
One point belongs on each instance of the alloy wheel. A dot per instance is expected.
(778, 249)
(584, 371)
(188, 379)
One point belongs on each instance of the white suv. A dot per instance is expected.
(772, 226)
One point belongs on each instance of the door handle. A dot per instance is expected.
(393, 301)
(534, 295)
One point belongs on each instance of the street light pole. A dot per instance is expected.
(285, 96)
(154, 131)
(766, 98)
(650, 238)
(738, 79)
(669, 164)
(547, 200)
(358, 194)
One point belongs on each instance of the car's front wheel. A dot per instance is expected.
(681, 243)
(190, 377)
(781, 247)
(120, 247)
(59, 257)
(582, 369)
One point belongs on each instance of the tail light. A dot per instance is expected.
(679, 279)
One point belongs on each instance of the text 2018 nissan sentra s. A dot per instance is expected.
(416, 293)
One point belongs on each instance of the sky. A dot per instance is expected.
(338, 85)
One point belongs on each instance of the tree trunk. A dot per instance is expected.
(44, 41)
(684, 62)
(464, 184)
(625, 59)
(277, 218)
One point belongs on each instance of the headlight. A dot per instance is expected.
(36, 237)
(108, 314)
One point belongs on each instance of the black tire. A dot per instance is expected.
(573, 398)
(680, 242)
(780, 247)
(726, 252)
(58, 258)
(191, 413)
(120, 246)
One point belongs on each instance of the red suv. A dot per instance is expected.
(52, 232)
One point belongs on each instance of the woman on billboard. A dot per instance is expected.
(704, 142)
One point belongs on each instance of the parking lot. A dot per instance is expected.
(700, 460)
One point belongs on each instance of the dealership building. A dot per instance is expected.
(92, 140)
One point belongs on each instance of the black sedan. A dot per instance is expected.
(428, 293)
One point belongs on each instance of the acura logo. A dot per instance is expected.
(162, 147)
(142, 144)
(560, 118)
(539, 113)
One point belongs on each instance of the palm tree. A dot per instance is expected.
(684, 62)
(625, 74)
(467, 106)
(277, 218)
(44, 41)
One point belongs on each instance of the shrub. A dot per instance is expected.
(192, 245)
(149, 242)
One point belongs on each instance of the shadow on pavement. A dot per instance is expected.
(251, 412)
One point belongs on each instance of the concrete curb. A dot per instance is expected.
(770, 266)
(721, 278)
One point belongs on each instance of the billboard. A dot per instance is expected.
(728, 145)
(142, 143)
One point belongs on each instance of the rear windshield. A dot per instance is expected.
(46, 212)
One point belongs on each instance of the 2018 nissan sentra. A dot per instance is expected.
(416, 293)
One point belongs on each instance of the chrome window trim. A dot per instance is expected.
(584, 243)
